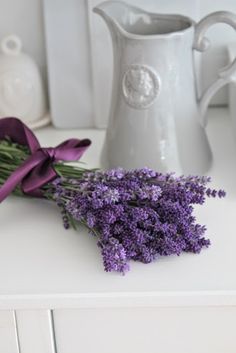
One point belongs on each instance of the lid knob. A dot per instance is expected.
(11, 45)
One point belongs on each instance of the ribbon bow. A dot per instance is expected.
(37, 170)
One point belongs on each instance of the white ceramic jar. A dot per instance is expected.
(21, 89)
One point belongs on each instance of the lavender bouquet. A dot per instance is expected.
(137, 215)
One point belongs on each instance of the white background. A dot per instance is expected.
(25, 18)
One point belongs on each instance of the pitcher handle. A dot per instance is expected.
(201, 43)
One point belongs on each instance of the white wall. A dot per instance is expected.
(219, 35)
(25, 18)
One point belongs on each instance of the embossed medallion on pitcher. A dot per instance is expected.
(140, 86)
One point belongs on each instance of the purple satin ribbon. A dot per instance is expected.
(37, 170)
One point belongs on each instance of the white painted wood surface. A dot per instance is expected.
(231, 50)
(41, 263)
(69, 67)
(8, 332)
(186, 304)
(216, 57)
(142, 330)
(35, 331)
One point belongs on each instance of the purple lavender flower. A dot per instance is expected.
(114, 256)
(137, 215)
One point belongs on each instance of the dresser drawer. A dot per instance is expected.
(35, 331)
(142, 330)
(8, 332)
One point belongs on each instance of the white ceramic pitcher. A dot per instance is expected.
(156, 117)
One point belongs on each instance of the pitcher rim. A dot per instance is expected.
(169, 35)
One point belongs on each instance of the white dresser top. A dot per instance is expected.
(42, 265)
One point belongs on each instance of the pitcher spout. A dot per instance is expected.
(135, 23)
(115, 14)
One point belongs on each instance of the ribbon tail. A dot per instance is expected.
(16, 177)
(71, 150)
